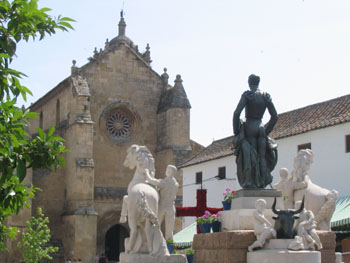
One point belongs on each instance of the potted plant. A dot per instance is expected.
(228, 196)
(171, 245)
(204, 222)
(190, 255)
(215, 223)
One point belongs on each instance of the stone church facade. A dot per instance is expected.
(108, 104)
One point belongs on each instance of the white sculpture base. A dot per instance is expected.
(146, 258)
(240, 217)
(283, 255)
(275, 251)
(277, 243)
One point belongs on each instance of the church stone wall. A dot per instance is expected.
(14, 254)
(85, 197)
(51, 197)
(178, 129)
(48, 106)
(120, 79)
(173, 128)
(80, 237)
(108, 210)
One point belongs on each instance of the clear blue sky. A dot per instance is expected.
(300, 49)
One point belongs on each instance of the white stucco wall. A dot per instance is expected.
(214, 187)
(331, 167)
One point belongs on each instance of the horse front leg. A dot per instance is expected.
(124, 212)
(133, 235)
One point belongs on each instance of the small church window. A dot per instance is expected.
(304, 146)
(41, 121)
(199, 176)
(347, 143)
(58, 113)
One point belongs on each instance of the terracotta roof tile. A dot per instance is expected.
(217, 149)
(316, 116)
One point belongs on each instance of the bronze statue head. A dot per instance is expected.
(253, 82)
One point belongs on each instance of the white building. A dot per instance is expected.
(324, 127)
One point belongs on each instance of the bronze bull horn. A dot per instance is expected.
(277, 212)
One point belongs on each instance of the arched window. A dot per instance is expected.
(58, 113)
(41, 123)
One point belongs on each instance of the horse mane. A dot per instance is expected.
(144, 156)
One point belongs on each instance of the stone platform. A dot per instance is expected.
(240, 217)
(276, 250)
(223, 247)
(283, 255)
(145, 258)
(232, 246)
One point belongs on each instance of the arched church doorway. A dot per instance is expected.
(114, 242)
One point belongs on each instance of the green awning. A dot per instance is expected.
(185, 236)
(340, 221)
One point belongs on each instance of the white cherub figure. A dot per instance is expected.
(263, 229)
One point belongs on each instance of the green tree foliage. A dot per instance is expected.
(35, 239)
(22, 20)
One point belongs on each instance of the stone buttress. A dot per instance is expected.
(173, 127)
(79, 217)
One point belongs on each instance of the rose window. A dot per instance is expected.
(118, 125)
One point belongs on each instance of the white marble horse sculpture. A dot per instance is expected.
(317, 199)
(141, 206)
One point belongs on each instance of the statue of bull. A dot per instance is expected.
(284, 221)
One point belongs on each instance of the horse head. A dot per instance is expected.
(139, 157)
(130, 160)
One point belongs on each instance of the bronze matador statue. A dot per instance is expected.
(256, 154)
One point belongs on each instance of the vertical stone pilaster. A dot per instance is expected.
(80, 217)
(80, 235)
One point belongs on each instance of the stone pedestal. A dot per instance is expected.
(276, 250)
(223, 247)
(240, 217)
(328, 242)
(283, 255)
(338, 258)
(346, 257)
(345, 244)
(232, 246)
(145, 258)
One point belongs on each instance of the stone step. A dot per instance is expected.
(232, 246)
